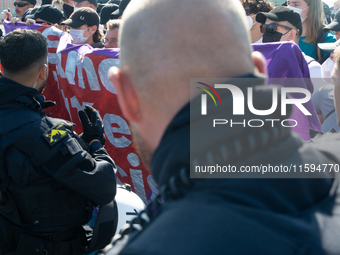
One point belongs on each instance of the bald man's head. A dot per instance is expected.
(165, 43)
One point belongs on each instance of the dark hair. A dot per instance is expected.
(22, 48)
(98, 35)
(257, 6)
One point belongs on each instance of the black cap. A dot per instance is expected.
(329, 47)
(105, 14)
(121, 8)
(82, 16)
(47, 12)
(117, 2)
(44, 2)
(281, 13)
(334, 25)
(94, 2)
(34, 2)
(29, 11)
(99, 8)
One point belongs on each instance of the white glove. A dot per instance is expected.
(3, 16)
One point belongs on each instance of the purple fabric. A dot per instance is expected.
(65, 48)
(64, 44)
(9, 26)
(287, 67)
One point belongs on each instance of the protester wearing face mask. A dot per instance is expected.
(84, 24)
(252, 7)
(280, 24)
(313, 22)
(283, 24)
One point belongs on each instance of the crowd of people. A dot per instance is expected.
(84, 20)
(50, 177)
(303, 23)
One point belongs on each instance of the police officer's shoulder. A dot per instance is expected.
(69, 125)
(50, 142)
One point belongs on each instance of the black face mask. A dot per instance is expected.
(67, 10)
(269, 36)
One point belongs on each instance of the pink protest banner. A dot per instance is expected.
(78, 76)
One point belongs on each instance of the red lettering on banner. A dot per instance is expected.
(53, 37)
(83, 80)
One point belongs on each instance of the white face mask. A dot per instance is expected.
(78, 36)
(299, 11)
(250, 21)
(303, 19)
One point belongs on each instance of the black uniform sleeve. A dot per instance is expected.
(54, 150)
(91, 175)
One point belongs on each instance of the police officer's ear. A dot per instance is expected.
(43, 73)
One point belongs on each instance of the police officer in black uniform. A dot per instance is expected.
(49, 176)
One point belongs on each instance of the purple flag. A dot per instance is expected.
(287, 67)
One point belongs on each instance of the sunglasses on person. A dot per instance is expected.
(272, 27)
(20, 4)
